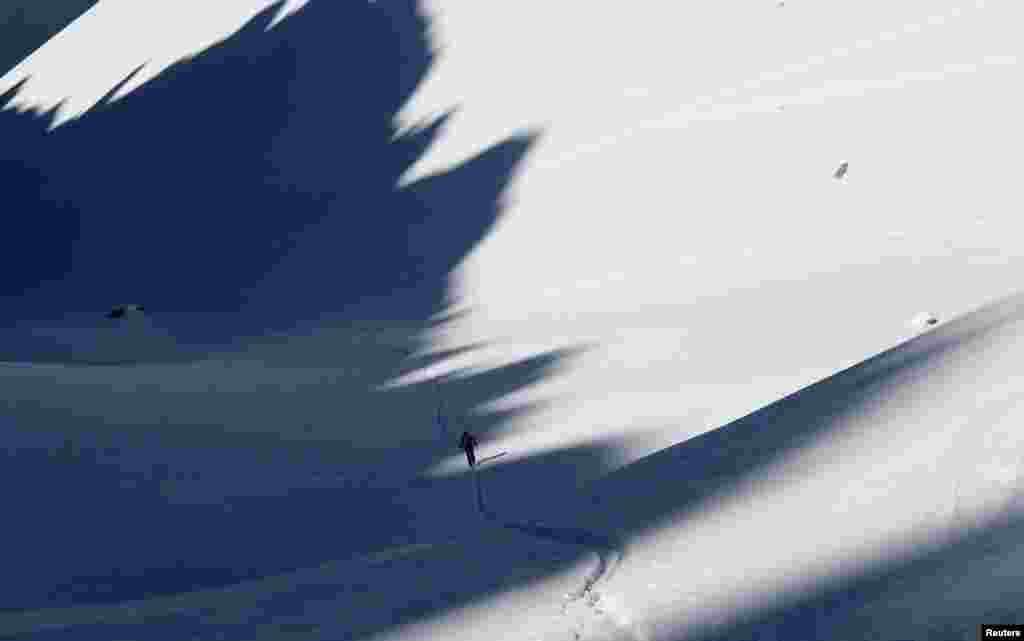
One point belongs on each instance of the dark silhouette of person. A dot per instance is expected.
(468, 444)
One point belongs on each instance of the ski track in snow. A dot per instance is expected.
(608, 552)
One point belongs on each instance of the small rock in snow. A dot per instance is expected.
(924, 320)
(123, 311)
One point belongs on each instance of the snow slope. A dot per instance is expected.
(617, 252)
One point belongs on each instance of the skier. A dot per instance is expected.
(468, 443)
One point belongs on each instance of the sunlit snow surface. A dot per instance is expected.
(674, 328)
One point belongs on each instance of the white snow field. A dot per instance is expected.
(723, 392)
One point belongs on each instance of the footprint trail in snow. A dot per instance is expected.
(607, 551)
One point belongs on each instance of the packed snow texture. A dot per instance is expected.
(667, 261)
